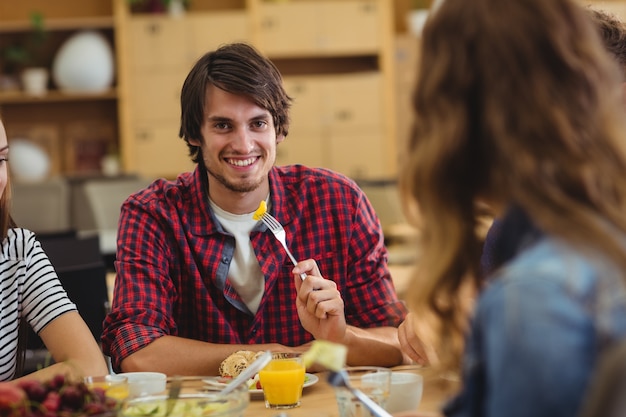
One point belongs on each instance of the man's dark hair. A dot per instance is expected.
(237, 68)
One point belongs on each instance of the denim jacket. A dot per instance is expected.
(538, 329)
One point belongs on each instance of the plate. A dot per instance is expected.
(257, 394)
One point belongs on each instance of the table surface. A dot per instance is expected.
(319, 399)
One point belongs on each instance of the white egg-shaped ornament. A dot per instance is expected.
(28, 161)
(84, 63)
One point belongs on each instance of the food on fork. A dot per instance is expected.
(258, 214)
(236, 362)
(331, 356)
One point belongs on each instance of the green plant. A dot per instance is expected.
(420, 4)
(153, 6)
(26, 51)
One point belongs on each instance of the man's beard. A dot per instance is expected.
(244, 187)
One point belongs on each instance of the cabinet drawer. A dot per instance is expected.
(289, 28)
(305, 146)
(157, 44)
(159, 152)
(156, 97)
(209, 31)
(351, 27)
(307, 94)
(336, 100)
(358, 153)
(354, 100)
(320, 27)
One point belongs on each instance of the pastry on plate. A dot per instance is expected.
(236, 362)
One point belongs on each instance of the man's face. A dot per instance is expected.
(238, 143)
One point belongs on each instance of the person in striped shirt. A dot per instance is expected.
(31, 294)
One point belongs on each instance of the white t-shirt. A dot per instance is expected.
(244, 273)
(30, 289)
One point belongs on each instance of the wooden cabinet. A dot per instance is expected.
(336, 57)
(157, 44)
(155, 67)
(337, 122)
(159, 52)
(311, 27)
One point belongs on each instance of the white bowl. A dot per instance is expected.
(405, 393)
(145, 383)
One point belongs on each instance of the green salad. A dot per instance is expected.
(182, 408)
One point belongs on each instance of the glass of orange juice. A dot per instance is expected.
(282, 380)
(114, 386)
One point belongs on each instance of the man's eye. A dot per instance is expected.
(221, 126)
(260, 123)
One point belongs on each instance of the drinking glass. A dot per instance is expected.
(373, 381)
(114, 386)
(282, 380)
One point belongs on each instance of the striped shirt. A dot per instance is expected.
(30, 289)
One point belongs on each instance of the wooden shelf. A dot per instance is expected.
(97, 22)
(54, 96)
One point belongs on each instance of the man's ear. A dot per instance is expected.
(279, 138)
(195, 142)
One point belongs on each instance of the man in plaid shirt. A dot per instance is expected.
(198, 278)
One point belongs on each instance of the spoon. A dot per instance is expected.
(339, 379)
(248, 373)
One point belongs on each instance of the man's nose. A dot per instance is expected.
(243, 141)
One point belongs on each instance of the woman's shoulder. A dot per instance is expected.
(18, 242)
(552, 269)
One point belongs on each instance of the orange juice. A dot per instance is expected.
(282, 381)
(114, 386)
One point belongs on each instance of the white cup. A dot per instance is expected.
(405, 393)
(35, 81)
(145, 383)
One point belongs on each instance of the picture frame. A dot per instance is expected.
(86, 145)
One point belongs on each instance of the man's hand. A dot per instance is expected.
(410, 343)
(319, 303)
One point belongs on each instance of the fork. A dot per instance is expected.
(279, 232)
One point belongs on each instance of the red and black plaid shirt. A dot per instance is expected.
(173, 259)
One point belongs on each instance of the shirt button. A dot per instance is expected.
(225, 260)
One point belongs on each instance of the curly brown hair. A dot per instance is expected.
(516, 102)
(613, 34)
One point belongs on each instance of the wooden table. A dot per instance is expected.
(319, 399)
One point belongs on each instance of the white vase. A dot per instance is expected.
(35, 81)
(29, 161)
(84, 63)
(176, 8)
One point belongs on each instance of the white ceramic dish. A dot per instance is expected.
(145, 383)
(257, 394)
